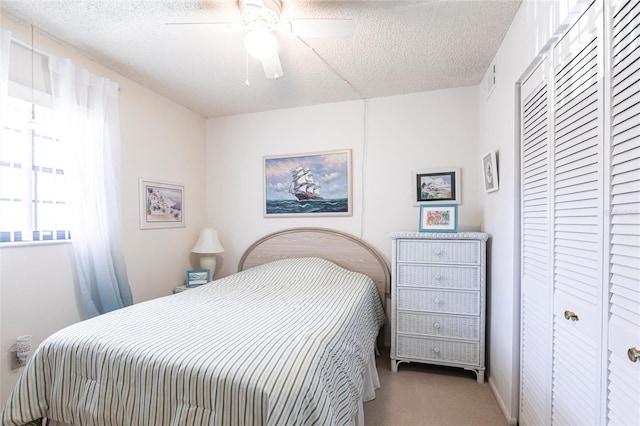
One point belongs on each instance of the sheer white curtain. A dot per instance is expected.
(86, 108)
(5, 45)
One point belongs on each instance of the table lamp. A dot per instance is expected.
(208, 245)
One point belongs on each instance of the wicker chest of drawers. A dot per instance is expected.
(438, 290)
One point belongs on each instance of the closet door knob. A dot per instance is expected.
(438, 277)
(438, 252)
(633, 354)
(436, 350)
(436, 301)
(437, 326)
(568, 315)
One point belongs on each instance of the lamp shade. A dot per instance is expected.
(208, 242)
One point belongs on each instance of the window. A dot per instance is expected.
(33, 198)
(66, 172)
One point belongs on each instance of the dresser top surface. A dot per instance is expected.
(441, 235)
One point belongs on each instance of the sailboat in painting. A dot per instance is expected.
(303, 186)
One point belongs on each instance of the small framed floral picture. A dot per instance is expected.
(439, 218)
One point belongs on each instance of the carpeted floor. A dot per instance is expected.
(421, 395)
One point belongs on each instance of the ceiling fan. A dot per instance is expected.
(261, 18)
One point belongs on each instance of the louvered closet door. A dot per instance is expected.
(578, 223)
(624, 287)
(535, 364)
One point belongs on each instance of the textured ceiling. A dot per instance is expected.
(398, 47)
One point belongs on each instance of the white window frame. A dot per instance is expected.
(34, 235)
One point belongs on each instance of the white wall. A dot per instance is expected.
(417, 131)
(160, 140)
(531, 29)
(389, 137)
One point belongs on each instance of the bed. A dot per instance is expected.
(289, 339)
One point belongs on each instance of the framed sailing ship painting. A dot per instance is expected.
(314, 184)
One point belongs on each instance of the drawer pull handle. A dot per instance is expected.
(438, 252)
(437, 326)
(568, 315)
(633, 354)
(436, 350)
(436, 301)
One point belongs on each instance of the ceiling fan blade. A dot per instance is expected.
(272, 67)
(318, 27)
(218, 27)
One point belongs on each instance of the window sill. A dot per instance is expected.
(34, 243)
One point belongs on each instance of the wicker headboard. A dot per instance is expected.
(342, 249)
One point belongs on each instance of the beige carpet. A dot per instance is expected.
(421, 394)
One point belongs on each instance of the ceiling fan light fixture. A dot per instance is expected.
(261, 44)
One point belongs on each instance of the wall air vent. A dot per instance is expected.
(490, 80)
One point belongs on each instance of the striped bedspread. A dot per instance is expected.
(284, 343)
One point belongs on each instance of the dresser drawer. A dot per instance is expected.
(422, 275)
(452, 302)
(437, 350)
(439, 251)
(438, 325)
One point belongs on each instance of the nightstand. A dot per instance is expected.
(181, 288)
